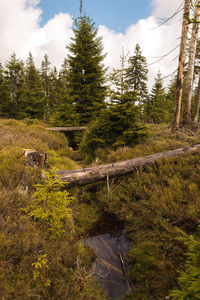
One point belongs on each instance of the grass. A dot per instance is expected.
(22, 239)
(152, 203)
(160, 139)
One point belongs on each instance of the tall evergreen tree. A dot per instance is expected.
(157, 105)
(136, 75)
(15, 77)
(6, 105)
(86, 70)
(119, 92)
(34, 104)
(45, 75)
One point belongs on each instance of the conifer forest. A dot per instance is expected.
(133, 235)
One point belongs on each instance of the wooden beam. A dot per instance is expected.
(67, 129)
(94, 174)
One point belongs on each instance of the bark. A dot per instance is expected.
(190, 71)
(34, 158)
(182, 55)
(67, 129)
(197, 106)
(94, 174)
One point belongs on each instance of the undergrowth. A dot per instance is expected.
(35, 263)
(153, 202)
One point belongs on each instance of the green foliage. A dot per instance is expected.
(157, 107)
(33, 95)
(86, 71)
(189, 280)
(50, 205)
(6, 109)
(136, 75)
(22, 241)
(115, 126)
(40, 268)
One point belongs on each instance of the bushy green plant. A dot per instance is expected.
(189, 279)
(40, 268)
(116, 126)
(50, 204)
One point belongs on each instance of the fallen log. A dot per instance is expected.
(94, 174)
(67, 129)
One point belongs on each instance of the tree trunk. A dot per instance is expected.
(67, 129)
(179, 84)
(197, 106)
(190, 71)
(94, 174)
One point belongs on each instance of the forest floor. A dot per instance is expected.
(154, 204)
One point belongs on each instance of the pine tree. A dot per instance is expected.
(64, 108)
(15, 78)
(6, 105)
(86, 70)
(35, 100)
(136, 75)
(65, 114)
(157, 104)
(117, 125)
(45, 75)
(119, 92)
(170, 97)
(189, 280)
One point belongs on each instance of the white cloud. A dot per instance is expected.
(21, 32)
(155, 40)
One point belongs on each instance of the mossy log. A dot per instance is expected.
(94, 174)
(67, 129)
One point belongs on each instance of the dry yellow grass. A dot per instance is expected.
(32, 135)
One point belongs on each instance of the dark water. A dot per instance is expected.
(110, 266)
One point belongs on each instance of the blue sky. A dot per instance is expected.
(115, 14)
(45, 27)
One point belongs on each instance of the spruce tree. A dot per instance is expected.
(157, 104)
(189, 279)
(45, 75)
(86, 70)
(6, 105)
(35, 100)
(117, 125)
(64, 108)
(65, 114)
(15, 78)
(170, 96)
(136, 75)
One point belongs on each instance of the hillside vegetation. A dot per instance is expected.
(154, 203)
(35, 264)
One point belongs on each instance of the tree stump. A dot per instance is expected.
(34, 158)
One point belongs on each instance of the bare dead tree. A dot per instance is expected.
(197, 105)
(191, 63)
(182, 55)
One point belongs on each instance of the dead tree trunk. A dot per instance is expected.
(190, 71)
(94, 174)
(179, 84)
(197, 106)
(67, 129)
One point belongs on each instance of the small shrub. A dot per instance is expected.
(189, 280)
(40, 269)
(50, 204)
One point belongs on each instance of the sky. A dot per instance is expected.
(45, 27)
(115, 14)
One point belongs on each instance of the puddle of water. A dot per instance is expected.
(110, 266)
